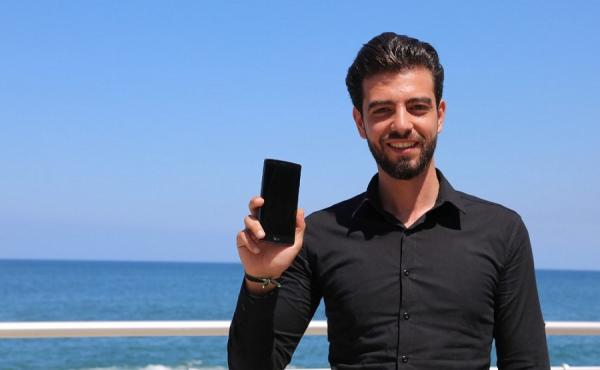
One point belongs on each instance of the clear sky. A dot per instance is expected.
(136, 130)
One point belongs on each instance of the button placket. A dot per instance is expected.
(401, 334)
(406, 277)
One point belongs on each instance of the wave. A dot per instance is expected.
(192, 365)
(156, 367)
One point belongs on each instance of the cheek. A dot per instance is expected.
(430, 127)
(378, 128)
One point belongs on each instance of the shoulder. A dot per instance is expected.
(327, 230)
(498, 222)
(337, 214)
(330, 225)
(479, 207)
(474, 209)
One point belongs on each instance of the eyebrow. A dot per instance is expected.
(376, 103)
(423, 100)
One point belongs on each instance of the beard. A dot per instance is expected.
(403, 169)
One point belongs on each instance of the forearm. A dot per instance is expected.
(251, 338)
(266, 328)
(519, 325)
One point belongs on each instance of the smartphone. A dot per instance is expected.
(279, 188)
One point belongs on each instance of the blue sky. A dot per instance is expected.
(136, 130)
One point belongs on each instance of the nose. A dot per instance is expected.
(401, 122)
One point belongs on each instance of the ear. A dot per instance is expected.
(441, 111)
(360, 124)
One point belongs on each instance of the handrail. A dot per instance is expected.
(75, 329)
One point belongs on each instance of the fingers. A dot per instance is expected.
(243, 240)
(253, 231)
(250, 238)
(255, 204)
(253, 227)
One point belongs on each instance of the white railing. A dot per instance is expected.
(74, 329)
(77, 329)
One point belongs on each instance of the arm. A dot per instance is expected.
(268, 323)
(519, 326)
(266, 329)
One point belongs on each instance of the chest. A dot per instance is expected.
(432, 272)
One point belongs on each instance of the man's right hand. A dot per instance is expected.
(261, 258)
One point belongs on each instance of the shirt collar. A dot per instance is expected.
(446, 194)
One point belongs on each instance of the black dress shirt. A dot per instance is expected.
(431, 296)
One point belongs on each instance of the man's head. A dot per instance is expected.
(395, 84)
(390, 52)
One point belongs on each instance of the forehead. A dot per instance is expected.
(405, 84)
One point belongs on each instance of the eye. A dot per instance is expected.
(381, 111)
(419, 109)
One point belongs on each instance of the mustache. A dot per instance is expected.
(408, 136)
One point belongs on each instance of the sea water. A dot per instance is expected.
(115, 291)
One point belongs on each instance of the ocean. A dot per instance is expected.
(80, 291)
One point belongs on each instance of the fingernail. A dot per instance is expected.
(261, 234)
(256, 250)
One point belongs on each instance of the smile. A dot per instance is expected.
(403, 145)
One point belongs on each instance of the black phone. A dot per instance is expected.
(279, 188)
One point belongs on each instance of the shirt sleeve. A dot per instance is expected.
(265, 330)
(519, 327)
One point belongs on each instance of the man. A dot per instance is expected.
(414, 274)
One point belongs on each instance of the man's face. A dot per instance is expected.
(400, 120)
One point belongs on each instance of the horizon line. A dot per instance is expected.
(2, 259)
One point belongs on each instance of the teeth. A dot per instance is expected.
(401, 145)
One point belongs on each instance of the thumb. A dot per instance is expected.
(300, 224)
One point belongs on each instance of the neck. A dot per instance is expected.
(408, 200)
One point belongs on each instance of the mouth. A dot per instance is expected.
(402, 145)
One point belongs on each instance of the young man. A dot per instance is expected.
(414, 274)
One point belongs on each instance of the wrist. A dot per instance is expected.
(256, 289)
(263, 280)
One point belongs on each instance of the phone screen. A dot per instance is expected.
(280, 187)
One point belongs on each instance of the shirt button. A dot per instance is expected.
(406, 316)
(404, 359)
(405, 271)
